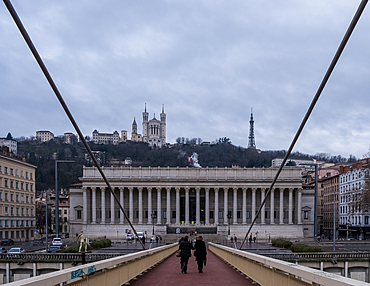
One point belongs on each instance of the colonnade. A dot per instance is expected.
(219, 213)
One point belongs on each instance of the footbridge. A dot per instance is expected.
(160, 266)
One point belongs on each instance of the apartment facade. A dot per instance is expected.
(44, 136)
(17, 198)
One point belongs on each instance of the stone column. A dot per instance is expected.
(235, 206)
(102, 205)
(159, 205)
(93, 205)
(244, 206)
(272, 207)
(263, 207)
(226, 191)
(281, 210)
(168, 205)
(197, 205)
(84, 202)
(140, 189)
(253, 203)
(207, 206)
(177, 206)
(121, 201)
(131, 204)
(187, 205)
(112, 208)
(216, 206)
(299, 214)
(290, 205)
(150, 211)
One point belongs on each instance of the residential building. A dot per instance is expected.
(331, 204)
(44, 136)
(17, 198)
(106, 138)
(69, 138)
(354, 219)
(11, 144)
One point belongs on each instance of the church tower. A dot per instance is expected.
(163, 126)
(251, 143)
(134, 129)
(145, 125)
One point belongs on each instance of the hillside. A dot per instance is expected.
(215, 155)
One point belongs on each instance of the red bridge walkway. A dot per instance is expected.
(168, 273)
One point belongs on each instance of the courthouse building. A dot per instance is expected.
(208, 200)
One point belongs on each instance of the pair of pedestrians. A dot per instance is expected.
(200, 253)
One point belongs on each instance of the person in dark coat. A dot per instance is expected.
(185, 246)
(201, 253)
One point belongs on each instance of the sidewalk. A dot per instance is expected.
(169, 273)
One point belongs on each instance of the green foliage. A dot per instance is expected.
(96, 244)
(73, 249)
(281, 243)
(304, 248)
(295, 247)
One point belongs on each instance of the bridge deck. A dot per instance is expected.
(216, 272)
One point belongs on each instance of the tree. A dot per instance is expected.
(223, 140)
(291, 163)
(9, 136)
(178, 140)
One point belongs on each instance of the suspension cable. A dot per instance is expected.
(28, 40)
(340, 49)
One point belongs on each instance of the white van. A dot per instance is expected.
(140, 234)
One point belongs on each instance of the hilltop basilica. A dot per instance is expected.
(154, 132)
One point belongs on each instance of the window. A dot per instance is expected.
(12, 184)
(6, 212)
(31, 199)
(305, 214)
(366, 220)
(26, 175)
(6, 170)
(164, 214)
(220, 214)
(1, 196)
(211, 214)
(79, 214)
(31, 176)
(17, 212)
(247, 214)
(27, 199)
(21, 174)
(26, 187)
(6, 183)
(17, 185)
(173, 214)
(6, 197)
(65, 211)
(22, 186)
(16, 172)
(238, 214)
(11, 197)
(31, 186)
(11, 171)
(11, 210)
(16, 197)
(0, 169)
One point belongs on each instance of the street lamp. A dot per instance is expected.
(57, 195)
(154, 216)
(229, 216)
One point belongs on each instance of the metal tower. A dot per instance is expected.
(251, 143)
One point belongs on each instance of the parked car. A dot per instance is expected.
(2, 250)
(140, 235)
(7, 241)
(36, 242)
(57, 241)
(129, 236)
(54, 249)
(16, 250)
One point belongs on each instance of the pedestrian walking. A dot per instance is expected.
(235, 238)
(185, 247)
(250, 238)
(200, 253)
(231, 239)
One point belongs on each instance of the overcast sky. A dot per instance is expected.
(208, 62)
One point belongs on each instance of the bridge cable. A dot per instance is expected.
(340, 49)
(28, 40)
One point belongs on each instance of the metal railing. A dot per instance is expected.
(113, 271)
(269, 271)
(319, 256)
